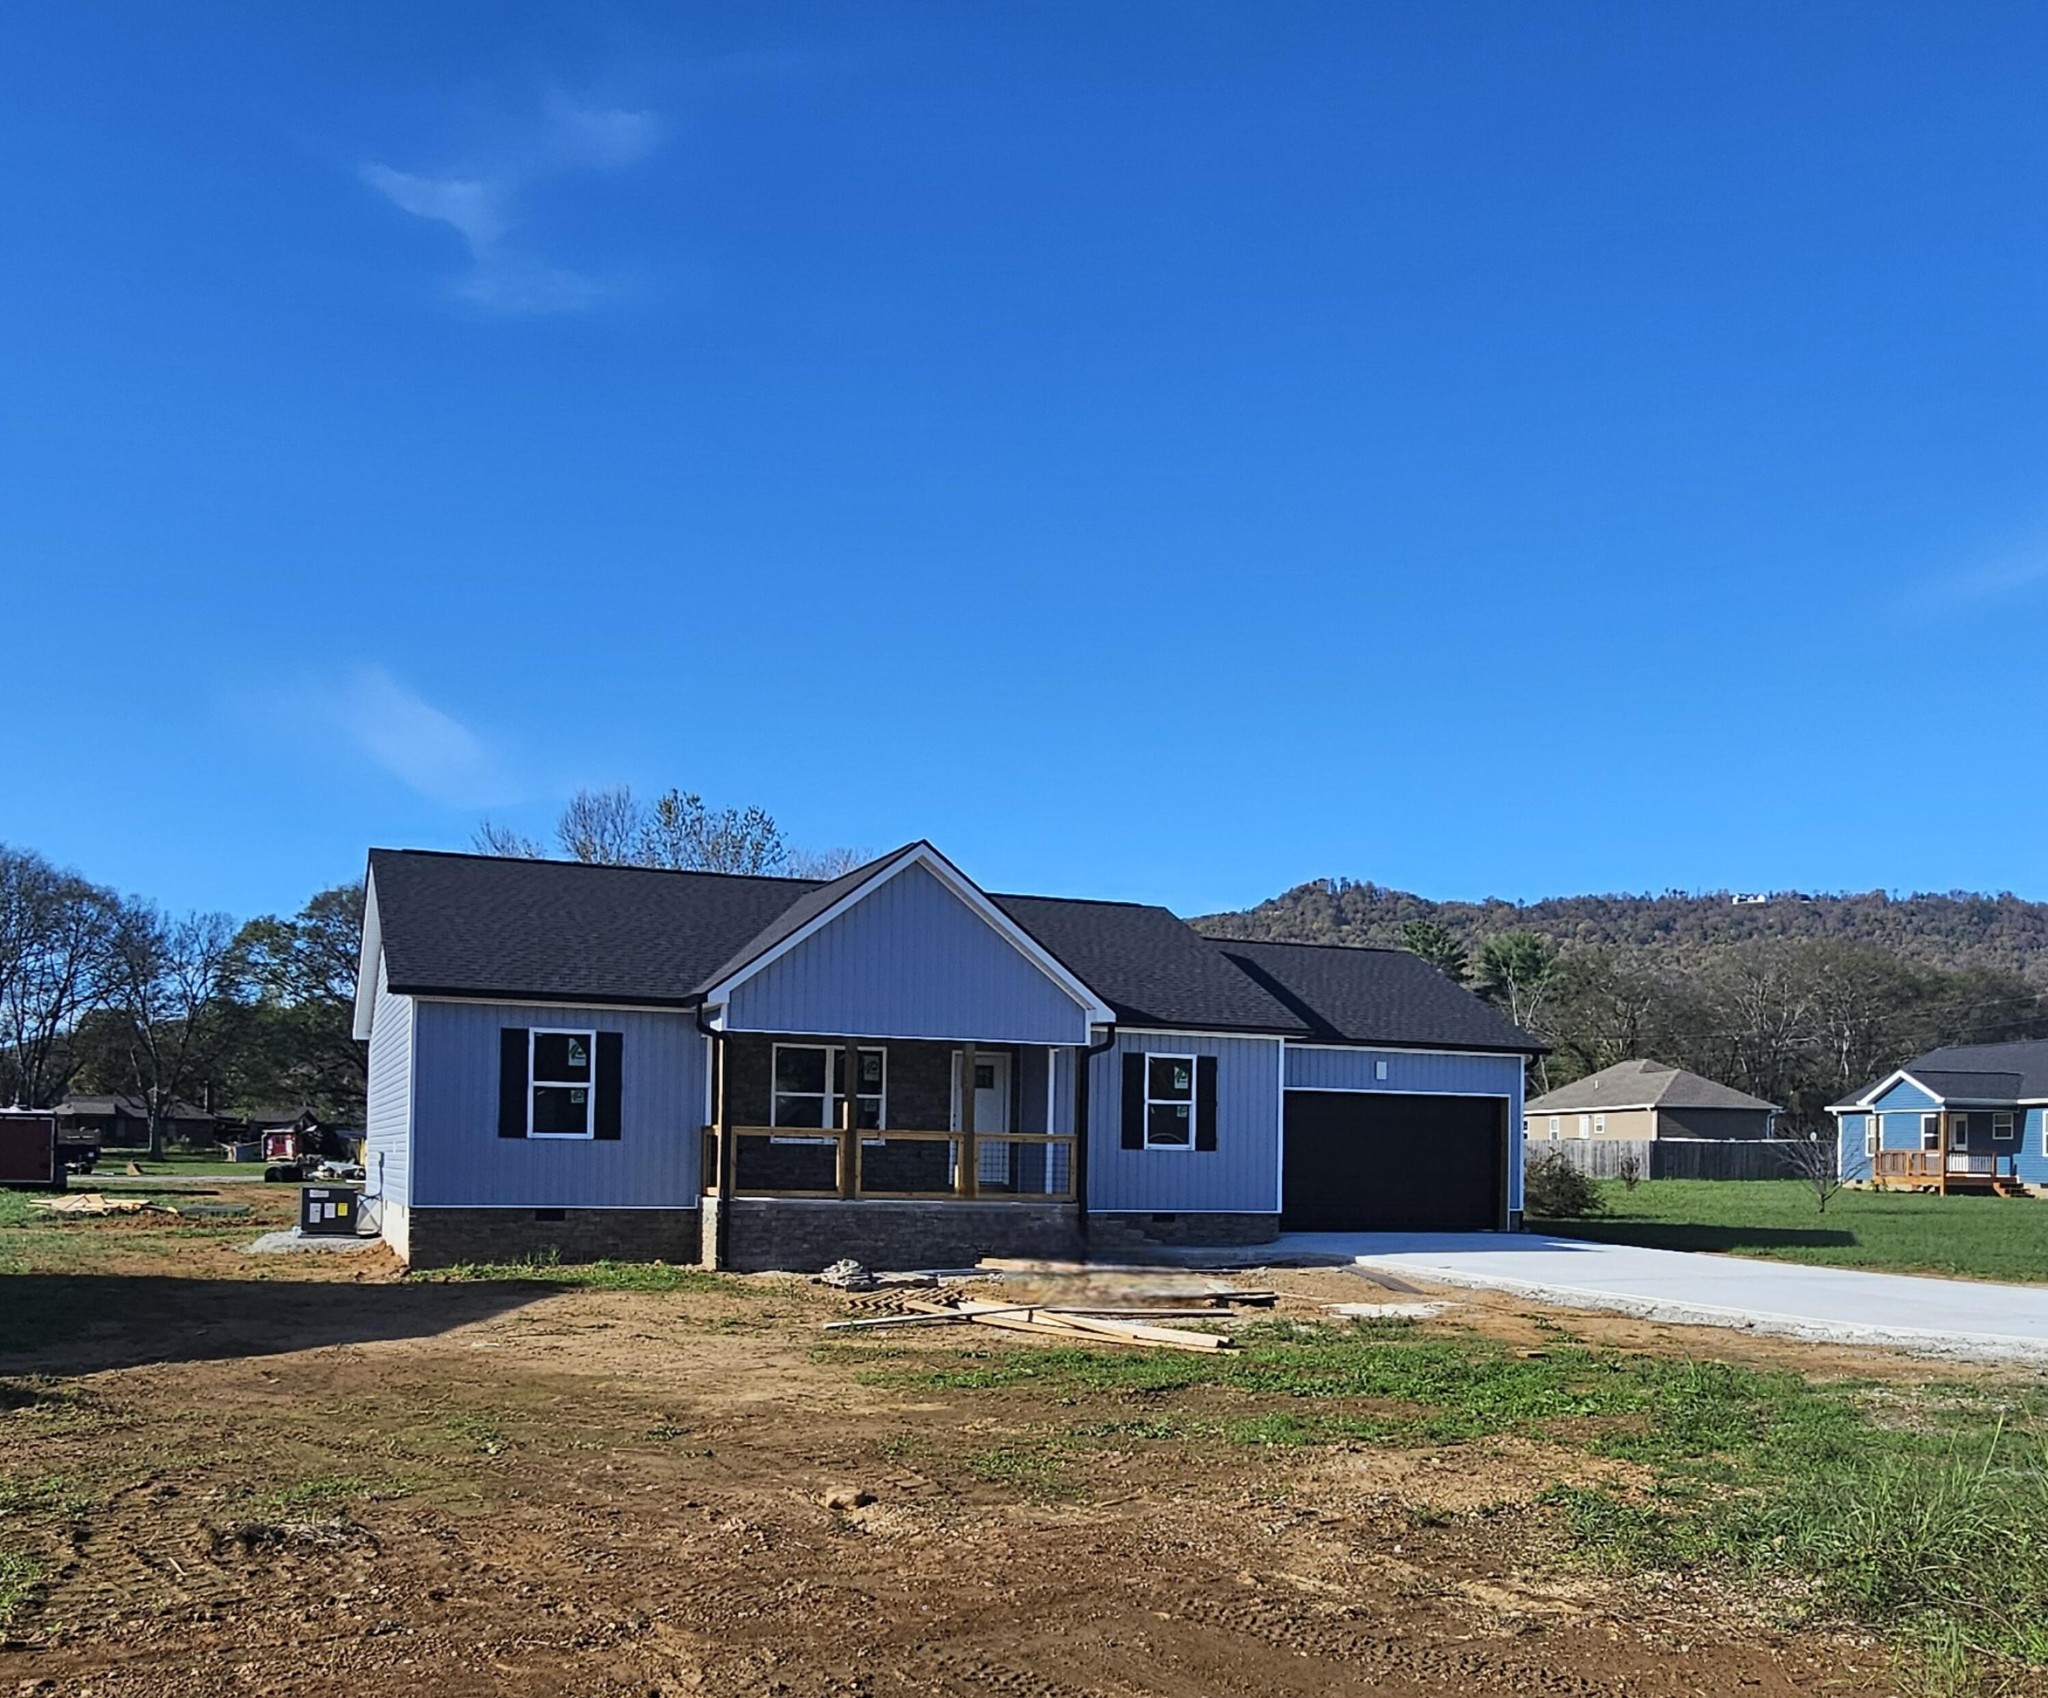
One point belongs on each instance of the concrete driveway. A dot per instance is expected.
(1942, 1317)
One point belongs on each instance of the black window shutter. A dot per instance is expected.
(512, 1045)
(1134, 1102)
(610, 1051)
(1205, 1102)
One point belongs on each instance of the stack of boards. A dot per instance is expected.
(1074, 1320)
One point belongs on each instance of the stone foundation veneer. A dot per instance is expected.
(1194, 1230)
(804, 1236)
(440, 1238)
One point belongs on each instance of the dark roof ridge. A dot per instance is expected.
(1296, 943)
(606, 866)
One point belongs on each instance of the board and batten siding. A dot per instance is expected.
(1240, 1176)
(909, 960)
(461, 1162)
(387, 1119)
(1419, 1072)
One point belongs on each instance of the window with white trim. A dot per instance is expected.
(2002, 1129)
(560, 1077)
(1930, 1131)
(1554, 1125)
(1169, 1102)
(810, 1084)
(1599, 1123)
(1873, 1134)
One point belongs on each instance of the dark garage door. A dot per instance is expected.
(1362, 1162)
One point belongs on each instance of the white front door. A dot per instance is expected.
(992, 1092)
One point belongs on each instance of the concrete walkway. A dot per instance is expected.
(1941, 1317)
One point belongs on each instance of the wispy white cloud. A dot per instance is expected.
(426, 749)
(2015, 572)
(599, 138)
(481, 205)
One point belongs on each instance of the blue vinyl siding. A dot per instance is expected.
(1432, 1073)
(460, 1161)
(1905, 1095)
(1241, 1175)
(910, 960)
(1899, 1129)
(387, 1120)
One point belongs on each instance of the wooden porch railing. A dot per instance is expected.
(1934, 1167)
(902, 1165)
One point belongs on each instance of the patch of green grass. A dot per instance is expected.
(21, 1576)
(1922, 1511)
(2000, 1238)
(1037, 1470)
(321, 1492)
(590, 1276)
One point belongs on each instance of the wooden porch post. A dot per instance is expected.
(969, 1177)
(849, 1121)
(1941, 1155)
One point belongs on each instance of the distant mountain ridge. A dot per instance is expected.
(1954, 930)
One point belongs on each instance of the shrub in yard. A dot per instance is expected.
(1629, 1170)
(1553, 1189)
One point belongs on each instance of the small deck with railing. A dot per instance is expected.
(1986, 1171)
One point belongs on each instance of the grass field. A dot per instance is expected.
(1974, 1237)
(1921, 1511)
(173, 1165)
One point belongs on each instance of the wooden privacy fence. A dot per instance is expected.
(1676, 1158)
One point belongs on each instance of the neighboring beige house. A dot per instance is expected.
(1647, 1099)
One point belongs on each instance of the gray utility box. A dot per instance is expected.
(329, 1211)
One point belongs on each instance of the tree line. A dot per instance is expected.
(105, 993)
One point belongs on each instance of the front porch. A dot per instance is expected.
(918, 1151)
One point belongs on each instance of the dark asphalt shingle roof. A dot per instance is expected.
(2024, 1062)
(1149, 965)
(558, 930)
(480, 925)
(1344, 994)
(1976, 1073)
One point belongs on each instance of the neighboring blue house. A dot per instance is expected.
(1971, 1117)
(620, 1061)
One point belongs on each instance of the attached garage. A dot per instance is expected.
(1366, 1161)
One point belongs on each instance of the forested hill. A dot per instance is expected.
(1958, 930)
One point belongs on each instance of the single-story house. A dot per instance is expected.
(1648, 1099)
(1968, 1117)
(122, 1122)
(898, 1066)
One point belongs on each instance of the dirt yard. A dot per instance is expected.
(308, 1476)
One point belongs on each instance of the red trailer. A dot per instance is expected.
(28, 1150)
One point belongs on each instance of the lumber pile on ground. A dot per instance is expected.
(1042, 1321)
(94, 1203)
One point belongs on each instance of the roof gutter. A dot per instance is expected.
(1081, 1059)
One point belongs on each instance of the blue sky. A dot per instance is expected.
(1152, 450)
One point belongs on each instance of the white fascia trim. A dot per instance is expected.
(367, 961)
(924, 855)
(1196, 1032)
(1383, 1091)
(1883, 1085)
